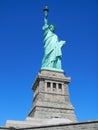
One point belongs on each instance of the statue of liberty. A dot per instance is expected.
(52, 46)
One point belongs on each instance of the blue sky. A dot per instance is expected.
(21, 53)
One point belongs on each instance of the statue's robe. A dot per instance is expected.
(52, 48)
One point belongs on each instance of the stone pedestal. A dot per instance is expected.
(51, 109)
(51, 97)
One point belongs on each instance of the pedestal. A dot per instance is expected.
(51, 96)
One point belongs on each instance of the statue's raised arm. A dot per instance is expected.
(52, 46)
(46, 10)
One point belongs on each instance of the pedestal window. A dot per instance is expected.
(54, 86)
(60, 87)
(48, 86)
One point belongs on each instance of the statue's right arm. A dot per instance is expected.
(45, 27)
(45, 20)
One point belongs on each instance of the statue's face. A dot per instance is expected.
(52, 28)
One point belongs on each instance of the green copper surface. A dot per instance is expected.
(52, 47)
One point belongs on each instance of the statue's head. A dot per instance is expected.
(52, 27)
